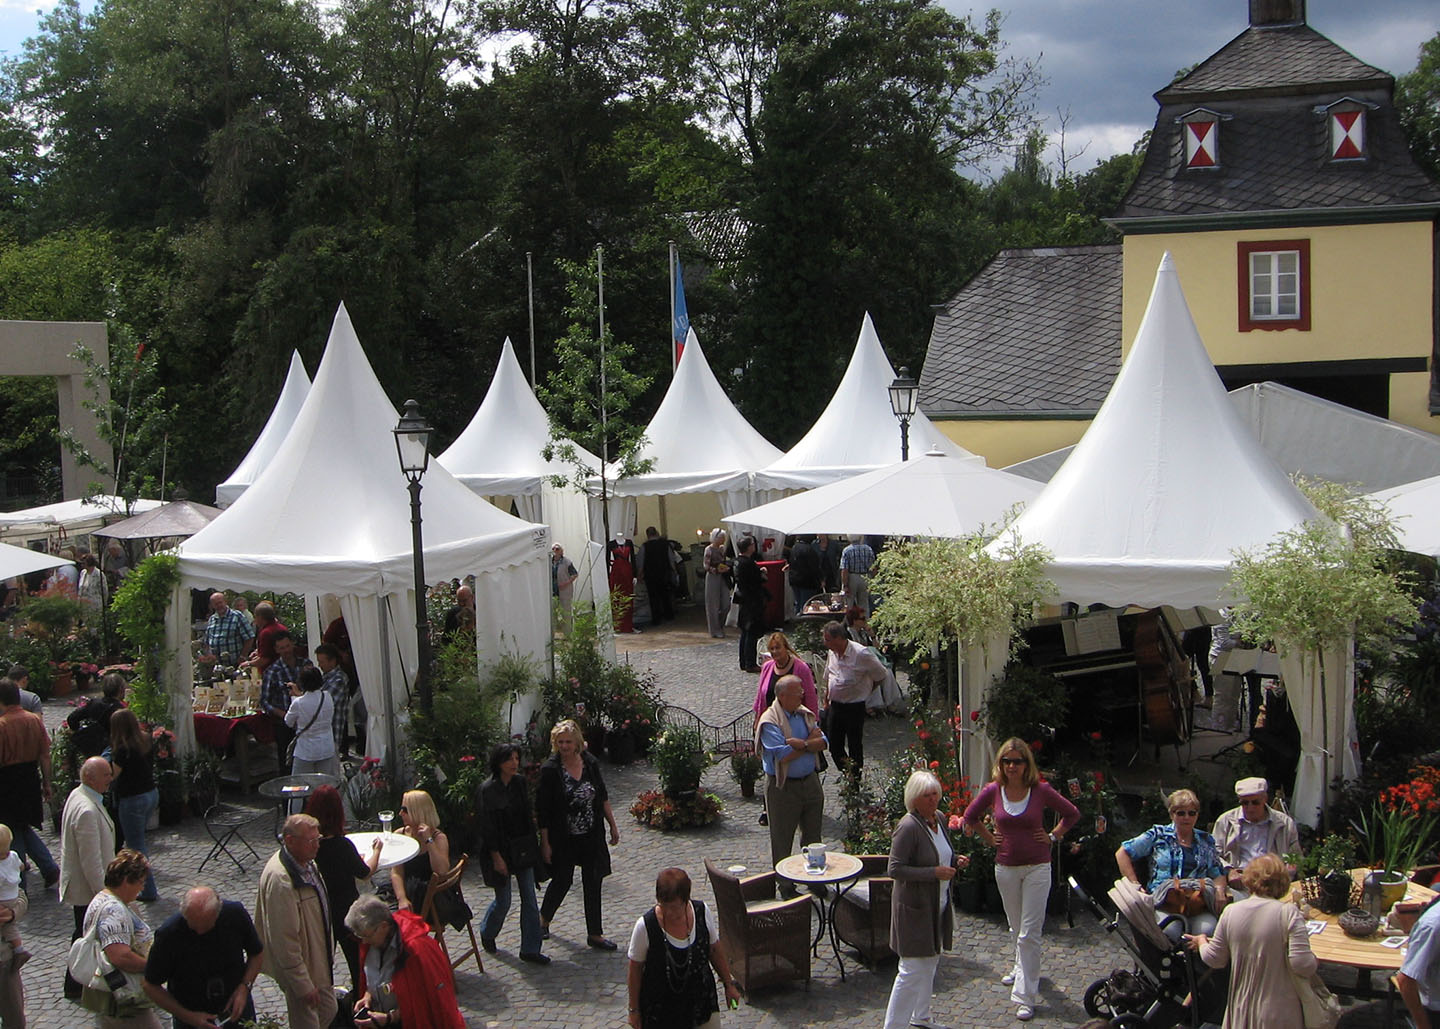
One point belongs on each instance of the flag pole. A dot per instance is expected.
(673, 362)
(530, 291)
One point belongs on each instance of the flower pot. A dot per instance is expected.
(967, 895)
(63, 684)
(621, 747)
(1392, 889)
(747, 789)
(595, 740)
(1333, 893)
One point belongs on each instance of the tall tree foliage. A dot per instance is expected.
(1417, 95)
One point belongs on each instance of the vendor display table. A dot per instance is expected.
(232, 735)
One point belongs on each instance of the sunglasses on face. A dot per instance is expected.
(1184, 814)
(1252, 803)
(404, 809)
(1012, 760)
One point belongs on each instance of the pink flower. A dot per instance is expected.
(467, 759)
(955, 823)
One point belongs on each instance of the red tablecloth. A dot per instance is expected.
(216, 731)
(775, 612)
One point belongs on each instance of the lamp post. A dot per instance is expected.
(412, 443)
(904, 395)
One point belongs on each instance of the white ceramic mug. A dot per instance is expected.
(814, 855)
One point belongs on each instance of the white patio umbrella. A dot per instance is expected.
(933, 495)
(22, 561)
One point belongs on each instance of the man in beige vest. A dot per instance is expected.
(292, 914)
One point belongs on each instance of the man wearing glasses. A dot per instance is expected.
(1254, 828)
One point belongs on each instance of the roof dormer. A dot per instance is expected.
(1201, 129)
(1346, 123)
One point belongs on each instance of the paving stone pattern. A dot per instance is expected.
(585, 988)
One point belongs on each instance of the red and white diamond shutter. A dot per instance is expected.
(1202, 144)
(1347, 134)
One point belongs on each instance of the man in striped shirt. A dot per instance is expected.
(855, 563)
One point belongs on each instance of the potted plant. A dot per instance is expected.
(1396, 833)
(1324, 872)
(680, 759)
(745, 768)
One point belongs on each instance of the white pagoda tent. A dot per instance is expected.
(1167, 482)
(330, 518)
(268, 443)
(1415, 507)
(857, 432)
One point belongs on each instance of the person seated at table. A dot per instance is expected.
(398, 952)
(1187, 877)
(1253, 828)
(310, 714)
(410, 880)
(1267, 946)
(342, 868)
(1419, 977)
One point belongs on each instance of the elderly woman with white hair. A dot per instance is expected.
(405, 977)
(717, 584)
(922, 863)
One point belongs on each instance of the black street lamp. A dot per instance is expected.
(412, 443)
(904, 396)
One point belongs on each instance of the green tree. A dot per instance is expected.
(590, 393)
(1417, 95)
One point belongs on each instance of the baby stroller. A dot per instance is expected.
(1167, 987)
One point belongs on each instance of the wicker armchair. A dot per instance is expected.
(862, 915)
(766, 939)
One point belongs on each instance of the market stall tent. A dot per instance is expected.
(1165, 485)
(857, 432)
(1415, 509)
(272, 437)
(330, 516)
(68, 517)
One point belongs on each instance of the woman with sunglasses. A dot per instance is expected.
(1015, 800)
(1182, 858)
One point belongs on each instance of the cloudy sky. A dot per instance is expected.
(1102, 59)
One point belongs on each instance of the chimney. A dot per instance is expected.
(1274, 14)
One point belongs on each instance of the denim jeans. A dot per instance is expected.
(134, 812)
(30, 846)
(529, 912)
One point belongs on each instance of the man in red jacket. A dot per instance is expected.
(406, 979)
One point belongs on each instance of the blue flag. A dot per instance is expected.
(681, 327)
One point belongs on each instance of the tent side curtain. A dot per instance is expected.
(1302, 673)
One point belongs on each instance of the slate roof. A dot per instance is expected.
(1283, 61)
(1274, 145)
(1036, 332)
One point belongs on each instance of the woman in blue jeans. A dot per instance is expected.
(134, 785)
(509, 848)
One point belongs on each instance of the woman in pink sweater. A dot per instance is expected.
(1017, 798)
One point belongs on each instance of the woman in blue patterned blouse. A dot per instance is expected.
(1182, 857)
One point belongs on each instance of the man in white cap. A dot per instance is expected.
(1254, 828)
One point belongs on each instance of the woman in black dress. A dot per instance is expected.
(508, 848)
(570, 803)
(422, 822)
(341, 866)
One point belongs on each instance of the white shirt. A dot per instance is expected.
(10, 877)
(640, 939)
(851, 676)
(947, 857)
(317, 742)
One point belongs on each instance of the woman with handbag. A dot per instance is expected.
(310, 713)
(114, 929)
(1267, 946)
(1187, 877)
(717, 584)
(1017, 799)
(509, 848)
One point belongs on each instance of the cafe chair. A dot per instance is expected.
(862, 914)
(766, 939)
(224, 823)
(441, 884)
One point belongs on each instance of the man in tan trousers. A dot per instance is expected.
(292, 915)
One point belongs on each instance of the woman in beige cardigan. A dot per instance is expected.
(1265, 943)
(922, 863)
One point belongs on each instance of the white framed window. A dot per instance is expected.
(1274, 284)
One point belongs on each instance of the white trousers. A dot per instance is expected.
(1024, 890)
(910, 996)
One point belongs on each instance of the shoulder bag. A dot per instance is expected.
(290, 749)
(105, 989)
(1320, 1008)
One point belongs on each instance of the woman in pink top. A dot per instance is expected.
(784, 661)
(1017, 798)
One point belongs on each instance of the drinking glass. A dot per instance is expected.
(386, 818)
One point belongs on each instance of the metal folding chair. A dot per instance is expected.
(224, 823)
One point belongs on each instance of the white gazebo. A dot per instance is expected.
(330, 518)
(267, 444)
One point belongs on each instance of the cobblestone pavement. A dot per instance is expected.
(585, 987)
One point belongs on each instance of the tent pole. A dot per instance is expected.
(530, 291)
(389, 705)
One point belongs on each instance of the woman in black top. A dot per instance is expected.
(340, 865)
(508, 849)
(573, 807)
(90, 722)
(133, 786)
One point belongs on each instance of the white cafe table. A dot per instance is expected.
(396, 849)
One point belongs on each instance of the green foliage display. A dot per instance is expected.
(1417, 96)
(139, 607)
(1333, 851)
(1025, 703)
(680, 759)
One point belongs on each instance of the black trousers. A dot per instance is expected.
(847, 733)
(561, 876)
(72, 988)
(662, 605)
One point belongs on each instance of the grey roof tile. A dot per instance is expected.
(1036, 331)
(1286, 60)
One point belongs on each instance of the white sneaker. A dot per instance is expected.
(1025, 1012)
(1008, 978)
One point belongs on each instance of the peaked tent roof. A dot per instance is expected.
(1414, 507)
(857, 431)
(700, 443)
(498, 454)
(1165, 483)
(268, 443)
(931, 495)
(22, 561)
(331, 513)
(1310, 436)
(177, 518)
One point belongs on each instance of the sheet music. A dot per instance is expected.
(1096, 632)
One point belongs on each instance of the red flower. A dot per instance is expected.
(1095, 736)
(1037, 746)
(934, 764)
(974, 716)
(467, 759)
